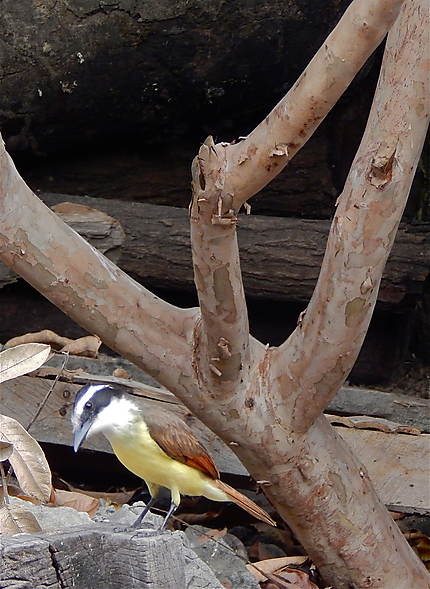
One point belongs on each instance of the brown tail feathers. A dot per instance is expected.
(245, 503)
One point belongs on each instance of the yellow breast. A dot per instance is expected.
(143, 456)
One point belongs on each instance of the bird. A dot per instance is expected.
(156, 445)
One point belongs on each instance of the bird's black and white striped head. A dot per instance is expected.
(100, 408)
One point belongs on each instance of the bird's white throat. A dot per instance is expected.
(115, 418)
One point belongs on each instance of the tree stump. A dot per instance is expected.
(99, 558)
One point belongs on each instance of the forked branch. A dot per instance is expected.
(314, 480)
(226, 175)
(254, 162)
(323, 348)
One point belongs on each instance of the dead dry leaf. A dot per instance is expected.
(396, 515)
(12, 491)
(198, 538)
(421, 544)
(374, 423)
(15, 520)
(87, 346)
(27, 459)
(200, 518)
(120, 373)
(114, 499)
(25, 498)
(270, 565)
(22, 359)
(84, 346)
(298, 579)
(46, 336)
(74, 499)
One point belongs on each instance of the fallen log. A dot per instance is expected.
(397, 462)
(280, 257)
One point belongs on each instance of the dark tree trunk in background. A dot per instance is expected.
(153, 72)
(74, 71)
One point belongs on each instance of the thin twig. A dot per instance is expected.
(48, 394)
(4, 484)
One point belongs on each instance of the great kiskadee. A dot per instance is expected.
(154, 444)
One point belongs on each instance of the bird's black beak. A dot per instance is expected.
(80, 434)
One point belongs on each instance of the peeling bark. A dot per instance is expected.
(224, 337)
(322, 350)
(267, 403)
(38, 245)
(320, 488)
(267, 150)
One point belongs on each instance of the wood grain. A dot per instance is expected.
(95, 557)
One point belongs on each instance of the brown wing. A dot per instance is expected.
(177, 440)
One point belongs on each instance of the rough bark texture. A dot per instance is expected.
(247, 393)
(97, 558)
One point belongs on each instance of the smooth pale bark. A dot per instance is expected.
(275, 420)
(322, 350)
(50, 255)
(314, 480)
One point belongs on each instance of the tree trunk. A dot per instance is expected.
(278, 396)
(267, 403)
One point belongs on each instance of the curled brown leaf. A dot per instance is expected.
(27, 459)
(74, 499)
(270, 565)
(84, 346)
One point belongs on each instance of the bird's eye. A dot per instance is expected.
(88, 405)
